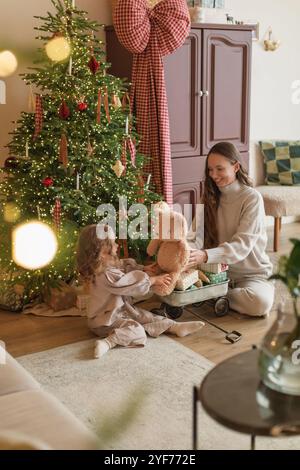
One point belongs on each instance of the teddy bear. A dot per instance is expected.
(170, 246)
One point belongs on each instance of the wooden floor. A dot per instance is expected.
(25, 334)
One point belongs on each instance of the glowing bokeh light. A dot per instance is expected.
(58, 49)
(34, 245)
(8, 63)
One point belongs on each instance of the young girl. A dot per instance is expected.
(112, 283)
(234, 231)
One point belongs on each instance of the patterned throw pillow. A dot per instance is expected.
(282, 162)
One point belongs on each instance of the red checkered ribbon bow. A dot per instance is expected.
(149, 35)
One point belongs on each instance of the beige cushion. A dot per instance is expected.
(13, 377)
(42, 417)
(280, 201)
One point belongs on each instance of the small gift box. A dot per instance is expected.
(215, 268)
(187, 279)
(11, 292)
(61, 297)
(82, 303)
(217, 278)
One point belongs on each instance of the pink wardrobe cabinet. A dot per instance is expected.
(208, 83)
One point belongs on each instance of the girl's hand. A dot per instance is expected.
(150, 269)
(163, 280)
(196, 257)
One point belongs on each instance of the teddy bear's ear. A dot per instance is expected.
(161, 206)
(178, 226)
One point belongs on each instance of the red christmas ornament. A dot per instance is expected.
(93, 65)
(47, 182)
(64, 111)
(82, 106)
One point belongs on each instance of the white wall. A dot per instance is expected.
(273, 116)
(17, 34)
(272, 113)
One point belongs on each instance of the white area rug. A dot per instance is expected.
(92, 388)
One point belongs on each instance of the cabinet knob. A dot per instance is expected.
(199, 93)
(206, 93)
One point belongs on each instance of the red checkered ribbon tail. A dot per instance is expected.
(141, 192)
(38, 116)
(132, 150)
(98, 118)
(106, 105)
(63, 151)
(124, 156)
(150, 34)
(57, 214)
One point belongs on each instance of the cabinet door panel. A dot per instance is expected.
(187, 196)
(188, 169)
(226, 77)
(119, 58)
(183, 75)
(245, 160)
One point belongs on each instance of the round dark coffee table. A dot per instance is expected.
(233, 395)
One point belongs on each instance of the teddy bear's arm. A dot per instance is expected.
(153, 247)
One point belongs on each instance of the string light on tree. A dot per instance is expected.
(73, 140)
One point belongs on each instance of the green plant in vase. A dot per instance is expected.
(279, 359)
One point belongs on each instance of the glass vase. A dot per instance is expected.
(279, 358)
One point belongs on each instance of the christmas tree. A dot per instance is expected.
(72, 151)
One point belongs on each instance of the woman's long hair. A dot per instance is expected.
(88, 253)
(211, 196)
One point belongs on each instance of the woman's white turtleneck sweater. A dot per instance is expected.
(242, 233)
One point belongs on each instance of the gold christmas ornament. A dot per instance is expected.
(116, 102)
(118, 168)
(90, 149)
(11, 212)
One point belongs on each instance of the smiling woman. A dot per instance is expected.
(234, 231)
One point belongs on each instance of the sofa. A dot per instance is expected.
(31, 418)
(280, 200)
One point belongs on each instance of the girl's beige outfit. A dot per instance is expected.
(242, 245)
(111, 310)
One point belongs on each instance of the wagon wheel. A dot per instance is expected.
(221, 307)
(173, 312)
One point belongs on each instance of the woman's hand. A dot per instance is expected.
(163, 280)
(196, 257)
(150, 269)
